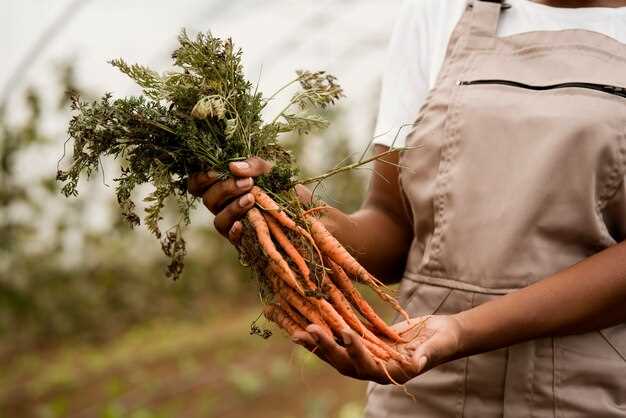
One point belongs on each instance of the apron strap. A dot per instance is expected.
(485, 17)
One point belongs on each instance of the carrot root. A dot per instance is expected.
(287, 246)
(344, 283)
(277, 315)
(275, 258)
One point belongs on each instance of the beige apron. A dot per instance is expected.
(520, 174)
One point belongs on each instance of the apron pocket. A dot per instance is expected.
(616, 338)
(590, 374)
(422, 299)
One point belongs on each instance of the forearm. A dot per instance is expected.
(375, 239)
(587, 296)
(379, 234)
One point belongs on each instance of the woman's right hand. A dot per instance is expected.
(229, 199)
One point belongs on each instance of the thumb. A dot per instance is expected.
(304, 194)
(430, 353)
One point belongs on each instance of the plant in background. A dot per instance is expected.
(203, 116)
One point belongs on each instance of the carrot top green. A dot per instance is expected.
(200, 116)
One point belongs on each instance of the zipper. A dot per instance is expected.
(605, 88)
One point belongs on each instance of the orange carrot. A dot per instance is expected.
(267, 203)
(344, 283)
(342, 306)
(289, 310)
(301, 304)
(270, 206)
(277, 315)
(289, 248)
(337, 253)
(338, 324)
(332, 318)
(276, 259)
(376, 350)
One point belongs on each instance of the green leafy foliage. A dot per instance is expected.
(201, 116)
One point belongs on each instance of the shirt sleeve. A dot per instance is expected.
(405, 80)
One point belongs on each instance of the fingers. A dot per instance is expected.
(355, 360)
(427, 355)
(235, 231)
(304, 339)
(252, 167)
(370, 368)
(362, 359)
(225, 219)
(199, 182)
(331, 352)
(216, 196)
(304, 194)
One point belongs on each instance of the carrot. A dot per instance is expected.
(282, 269)
(332, 318)
(277, 315)
(337, 253)
(289, 248)
(344, 283)
(338, 324)
(289, 310)
(341, 304)
(300, 304)
(268, 204)
(376, 350)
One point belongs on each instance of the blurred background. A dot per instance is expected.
(89, 326)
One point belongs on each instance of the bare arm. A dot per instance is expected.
(379, 234)
(588, 296)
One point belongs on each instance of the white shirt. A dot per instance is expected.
(420, 38)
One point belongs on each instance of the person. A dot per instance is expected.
(504, 217)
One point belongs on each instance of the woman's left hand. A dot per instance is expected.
(437, 341)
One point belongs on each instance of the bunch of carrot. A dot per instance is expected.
(310, 277)
(204, 114)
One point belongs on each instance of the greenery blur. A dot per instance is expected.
(90, 327)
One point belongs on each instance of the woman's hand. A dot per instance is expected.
(229, 199)
(437, 341)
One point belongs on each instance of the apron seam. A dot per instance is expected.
(463, 397)
(505, 374)
(608, 341)
(463, 389)
(459, 52)
(442, 302)
(454, 283)
(530, 396)
(615, 177)
(541, 50)
(452, 134)
(555, 377)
